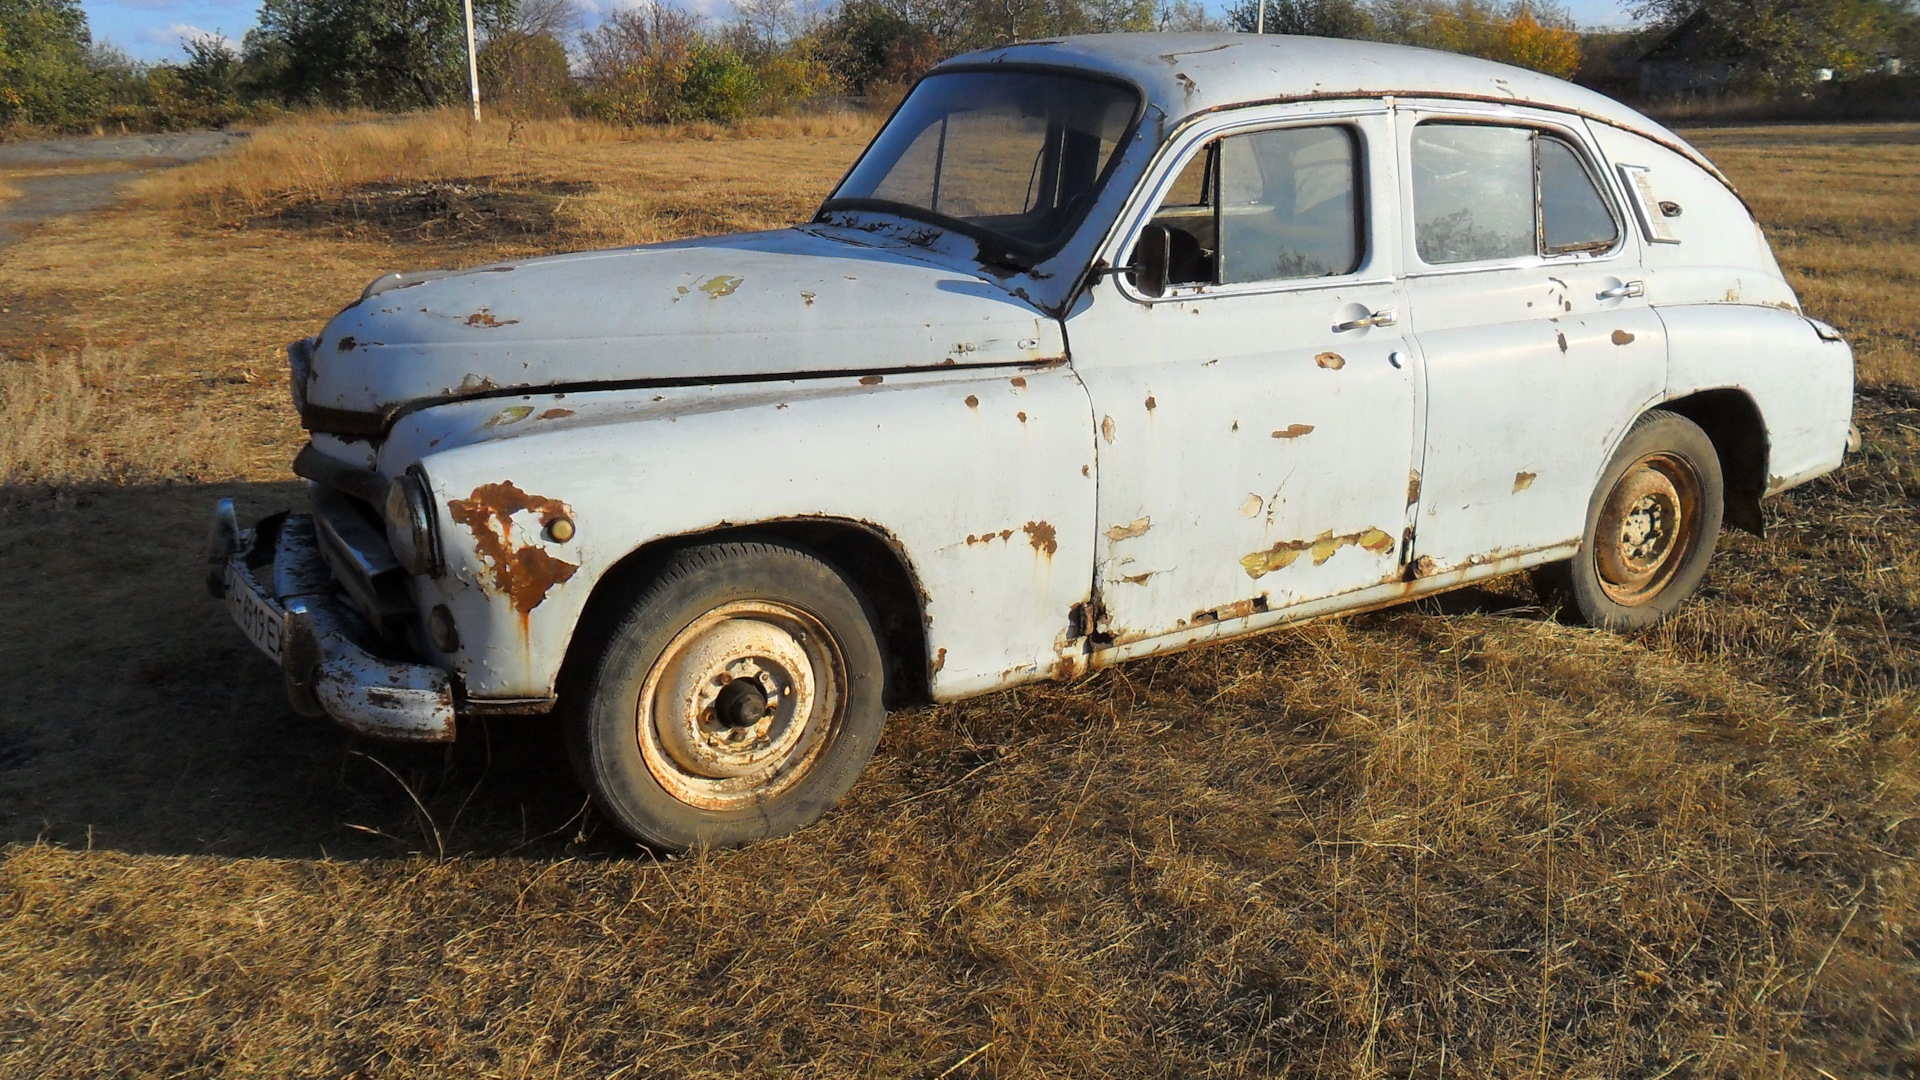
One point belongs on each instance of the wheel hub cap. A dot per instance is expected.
(1646, 529)
(739, 704)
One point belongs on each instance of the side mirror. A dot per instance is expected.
(1151, 257)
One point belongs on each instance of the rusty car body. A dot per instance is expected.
(1257, 329)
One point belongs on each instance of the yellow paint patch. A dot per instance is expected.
(721, 285)
(1324, 547)
(509, 416)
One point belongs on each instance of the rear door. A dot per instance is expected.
(1527, 302)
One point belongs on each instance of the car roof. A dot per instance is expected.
(1187, 74)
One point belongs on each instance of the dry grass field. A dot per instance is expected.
(1457, 839)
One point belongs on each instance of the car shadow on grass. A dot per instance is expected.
(138, 719)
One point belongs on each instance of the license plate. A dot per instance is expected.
(256, 616)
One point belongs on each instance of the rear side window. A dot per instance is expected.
(1484, 192)
(1267, 206)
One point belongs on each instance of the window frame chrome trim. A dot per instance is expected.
(1417, 267)
(1172, 159)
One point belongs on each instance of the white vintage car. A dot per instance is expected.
(1105, 347)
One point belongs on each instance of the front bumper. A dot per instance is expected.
(282, 595)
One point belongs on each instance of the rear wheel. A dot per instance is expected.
(737, 697)
(1651, 528)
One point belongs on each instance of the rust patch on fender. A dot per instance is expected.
(523, 574)
(555, 414)
(988, 537)
(1621, 337)
(1523, 480)
(1041, 535)
(1332, 361)
(1239, 609)
(1138, 527)
(1283, 554)
(1424, 566)
(484, 319)
(1293, 431)
(1022, 416)
(1413, 487)
(939, 661)
(1562, 338)
(476, 384)
(972, 402)
(1139, 579)
(808, 297)
(346, 344)
(1106, 429)
(872, 380)
(1151, 404)
(1019, 382)
(722, 285)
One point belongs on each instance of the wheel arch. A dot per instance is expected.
(868, 556)
(1733, 423)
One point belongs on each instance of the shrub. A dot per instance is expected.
(717, 86)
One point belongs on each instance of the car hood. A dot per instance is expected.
(790, 303)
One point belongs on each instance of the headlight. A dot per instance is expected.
(410, 524)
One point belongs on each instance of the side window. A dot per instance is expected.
(1485, 192)
(1573, 214)
(1472, 192)
(1267, 206)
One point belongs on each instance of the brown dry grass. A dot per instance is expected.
(1455, 839)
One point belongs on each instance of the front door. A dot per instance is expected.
(1528, 307)
(1257, 423)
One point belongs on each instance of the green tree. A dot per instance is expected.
(44, 74)
(1773, 44)
(381, 54)
(1319, 18)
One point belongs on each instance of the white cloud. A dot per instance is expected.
(181, 33)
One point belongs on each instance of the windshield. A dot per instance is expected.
(1016, 156)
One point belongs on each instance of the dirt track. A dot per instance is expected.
(43, 197)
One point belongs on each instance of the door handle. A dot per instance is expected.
(1629, 288)
(1377, 318)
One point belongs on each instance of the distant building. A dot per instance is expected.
(1694, 57)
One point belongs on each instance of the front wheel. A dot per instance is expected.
(1651, 528)
(736, 697)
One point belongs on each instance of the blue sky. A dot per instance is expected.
(153, 29)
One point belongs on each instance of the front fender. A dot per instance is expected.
(983, 477)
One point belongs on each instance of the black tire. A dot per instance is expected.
(1651, 527)
(735, 636)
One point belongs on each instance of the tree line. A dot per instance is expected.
(656, 62)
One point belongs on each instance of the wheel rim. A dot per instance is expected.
(741, 704)
(1647, 529)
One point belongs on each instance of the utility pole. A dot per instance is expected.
(1259, 27)
(473, 58)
